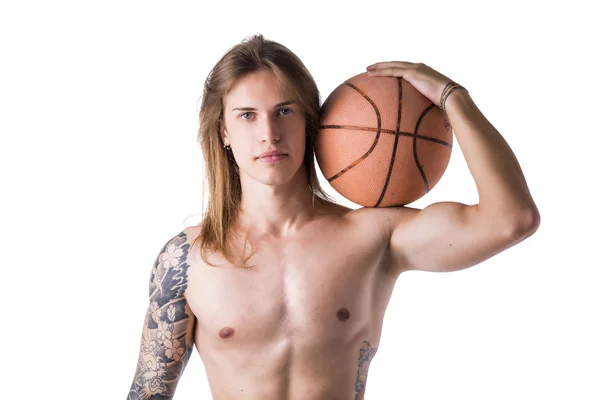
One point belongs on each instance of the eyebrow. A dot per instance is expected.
(284, 103)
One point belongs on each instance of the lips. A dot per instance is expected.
(271, 153)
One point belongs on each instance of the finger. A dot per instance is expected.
(390, 71)
(389, 64)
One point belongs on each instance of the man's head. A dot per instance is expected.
(282, 77)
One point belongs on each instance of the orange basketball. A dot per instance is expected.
(381, 143)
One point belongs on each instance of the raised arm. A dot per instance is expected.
(168, 331)
(450, 236)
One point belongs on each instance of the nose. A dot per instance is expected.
(270, 130)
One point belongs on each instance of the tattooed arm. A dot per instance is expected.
(168, 332)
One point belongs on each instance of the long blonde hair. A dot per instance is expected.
(224, 188)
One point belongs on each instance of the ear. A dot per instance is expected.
(223, 132)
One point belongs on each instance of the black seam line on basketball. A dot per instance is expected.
(391, 167)
(383, 130)
(354, 163)
(415, 148)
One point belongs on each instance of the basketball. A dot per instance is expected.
(381, 143)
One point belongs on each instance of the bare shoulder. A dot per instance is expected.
(379, 220)
(192, 232)
(379, 223)
(193, 239)
(372, 221)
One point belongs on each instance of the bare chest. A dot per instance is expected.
(322, 286)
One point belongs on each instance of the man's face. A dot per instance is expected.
(257, 120)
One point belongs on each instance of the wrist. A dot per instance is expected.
(450, 88)
(456, 98)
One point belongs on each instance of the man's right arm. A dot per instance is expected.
(168, 332)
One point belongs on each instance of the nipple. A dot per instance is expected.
(226, 332)
(343, 314)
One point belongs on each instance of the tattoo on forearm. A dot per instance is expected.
(164, 350)
(366, 355)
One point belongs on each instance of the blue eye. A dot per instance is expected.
(288, 112)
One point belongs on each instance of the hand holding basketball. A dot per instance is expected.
(382, 142)
(425, 79)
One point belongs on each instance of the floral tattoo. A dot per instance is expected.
(167, 341)
(366, 355)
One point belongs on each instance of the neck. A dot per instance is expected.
(276, 210)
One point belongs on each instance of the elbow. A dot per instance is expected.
(525, 225)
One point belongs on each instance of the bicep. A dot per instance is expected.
(447, 236)
(168, 331)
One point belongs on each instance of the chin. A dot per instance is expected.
(275, 175)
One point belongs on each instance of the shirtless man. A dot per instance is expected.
(282, 291)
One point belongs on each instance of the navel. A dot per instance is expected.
(343, 314)
(226, 332)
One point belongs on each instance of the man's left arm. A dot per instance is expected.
(450, 236)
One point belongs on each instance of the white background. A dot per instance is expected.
(100, 166)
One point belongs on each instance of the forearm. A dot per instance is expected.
(164, 353)
(502, 189)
